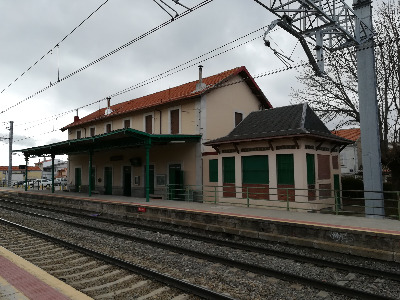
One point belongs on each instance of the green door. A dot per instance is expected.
(176, 191)
(108, 181)
(78, 179)
(151, 179)
(127, 181)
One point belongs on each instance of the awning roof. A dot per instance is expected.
(122, 138)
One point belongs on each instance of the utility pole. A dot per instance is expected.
(369, 121)
(10, 142)
(333, 25)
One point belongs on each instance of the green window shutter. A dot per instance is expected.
(255, 169)
(213, 170)
(228, 165)
(285, 166)
(310, 168)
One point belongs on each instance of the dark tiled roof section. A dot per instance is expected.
(184, 91)
(291, 120)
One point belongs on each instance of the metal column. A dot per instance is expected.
(10, 142)
(52, 173)
(26, 172)
(369, 121)
(90, 172)
(147, 147)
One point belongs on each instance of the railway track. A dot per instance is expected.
(362, 269)
(98, 275)
(338, 287)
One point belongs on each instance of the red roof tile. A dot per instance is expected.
(184, 91)
(5, 168)
(352, 134)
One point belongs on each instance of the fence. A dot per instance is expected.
(339, 202)
(34, 185)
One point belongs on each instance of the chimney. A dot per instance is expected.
(200, 85)
(108, 109)
(76, 118)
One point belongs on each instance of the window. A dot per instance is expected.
(127, 123)
(310, 168)
(148, 124)
(108, 128)
(335, 162)
(324, 168)
(92, 131)
(228, 166)
(78, 134)
(213, 170)
(285, 168)
(255, 169)
(174, 121)
(238, 118)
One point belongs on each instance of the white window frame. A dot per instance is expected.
(105, 127)
(234, 117)
(90, 129)
(76, 133)
(152, 121)
(180, 118)
(130, 122)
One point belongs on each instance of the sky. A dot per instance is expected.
(35, 27)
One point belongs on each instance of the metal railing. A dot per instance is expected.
(329, 201)
(33, 185)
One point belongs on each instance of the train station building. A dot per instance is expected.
(179, 142)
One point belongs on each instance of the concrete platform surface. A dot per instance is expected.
(21, 280)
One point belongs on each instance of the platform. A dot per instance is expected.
(19, 279)
(369, 237)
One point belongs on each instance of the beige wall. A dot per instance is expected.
(221, 105)
(160, 156)
(161, 120)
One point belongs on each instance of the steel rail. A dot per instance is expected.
(319, 284)
(241, 246)
(165, 279)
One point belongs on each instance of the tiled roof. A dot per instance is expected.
(5, 168)
(184, 91)
(352, 134)
(293, 120)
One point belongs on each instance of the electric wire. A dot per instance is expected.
(154, 78)
(57, 45)
(168, 73)
(185, 13)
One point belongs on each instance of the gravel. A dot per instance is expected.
(237, 283)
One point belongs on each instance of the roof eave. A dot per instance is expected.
(339, 140)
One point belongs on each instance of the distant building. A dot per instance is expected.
(18, 174)
(45, 166)
(350, 157)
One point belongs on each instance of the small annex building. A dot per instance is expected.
(147, 145)
(281, 154)
(351, 156)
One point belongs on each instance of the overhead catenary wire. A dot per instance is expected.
(185, 13)
(56, 46)
(157, 77)
(176, 70)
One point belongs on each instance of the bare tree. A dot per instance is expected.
(335, 96)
